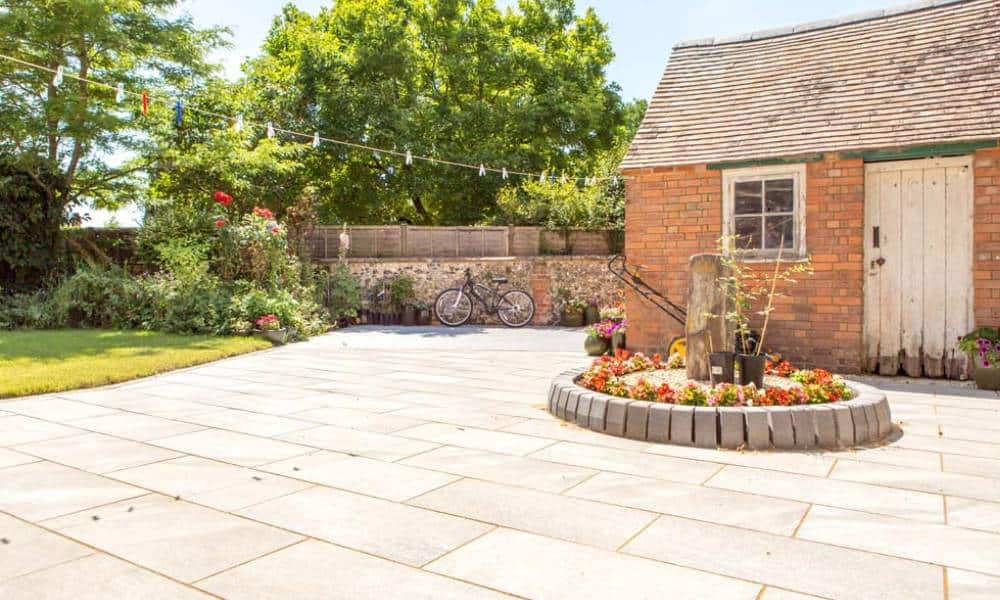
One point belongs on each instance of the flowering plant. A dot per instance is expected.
(613, 313)
(608, 374)
(988, 353)
(781, 368)
(268, 323)
(604, 329)
(223, 198)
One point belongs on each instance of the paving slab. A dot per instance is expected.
(477, 439)
(242, 421)
(402, 533)
(29, 548)
(843, 494)
(625, 461)
(216, 484)
(789, 563)
(361, 443)
(10, 458)
(571, 519)
(173, 537)
(235, 448)
(95, 578)
(314, 569)
(19, 429)
(55, 409)
(952, 546)
(693, 501)
(963, 585)
(973, 514)
(568, 432)
(934, 482)
(359, 419)
(96, 452)
(391, 481)
(502, 468)
(134, 426)
(42, 490)
(522, 564)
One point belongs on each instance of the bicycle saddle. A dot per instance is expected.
(499, 280)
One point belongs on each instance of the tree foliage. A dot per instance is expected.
(451, 79)
(74, 130)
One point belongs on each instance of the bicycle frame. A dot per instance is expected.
(477, 291)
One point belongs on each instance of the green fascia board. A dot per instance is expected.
(765, 162)
(911, 152)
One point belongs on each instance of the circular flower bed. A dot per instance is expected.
(650, 400)
(638, 377)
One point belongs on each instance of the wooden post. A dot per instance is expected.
(706, 329)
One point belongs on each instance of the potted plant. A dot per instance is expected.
(599, 337)
(969, 343)
(613, 313)
(987, 371)
(409, 317)
(423, 313)
(721, 366)
(591, 314)
(745, 287)
(402, 295)
(618, 337)
(270, 328)
(570, 310)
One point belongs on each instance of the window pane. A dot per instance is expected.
(779, 231)
(748, 195)
(778, 195)
(748, 233)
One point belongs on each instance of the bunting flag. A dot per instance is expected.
(120, 91)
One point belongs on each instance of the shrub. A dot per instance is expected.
(343, 295)
(25, 311)
(30, 221)
(98, 296)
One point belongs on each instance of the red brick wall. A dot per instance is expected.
(986, 231)
(674, 212)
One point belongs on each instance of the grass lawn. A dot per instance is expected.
(35, 362)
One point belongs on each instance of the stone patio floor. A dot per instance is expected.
(420, 463)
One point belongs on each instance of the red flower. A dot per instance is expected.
(220, 223)
(223, 198)
(263, 213)
(276, 229)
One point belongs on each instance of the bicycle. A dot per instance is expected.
(453, 306)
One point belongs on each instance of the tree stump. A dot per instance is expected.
(707, 329)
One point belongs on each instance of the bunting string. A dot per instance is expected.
(239, 123)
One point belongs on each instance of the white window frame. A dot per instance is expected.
(795, 172)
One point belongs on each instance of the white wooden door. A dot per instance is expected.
(918, 256)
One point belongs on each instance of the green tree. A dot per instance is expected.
(523, 89)
(76, 129)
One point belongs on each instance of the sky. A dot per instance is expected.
(642, 33)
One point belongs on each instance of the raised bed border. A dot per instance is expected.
(865, 419)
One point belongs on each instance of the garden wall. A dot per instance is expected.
(584, 277)
(392, 241)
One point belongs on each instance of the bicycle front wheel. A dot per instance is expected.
(516, 308)
(453, 307)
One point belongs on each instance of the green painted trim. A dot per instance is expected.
(910, 152)
(765, 162)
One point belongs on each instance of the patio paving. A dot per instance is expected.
(420, 463)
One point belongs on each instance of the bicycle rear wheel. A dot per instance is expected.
(453, 307)
(516, 308)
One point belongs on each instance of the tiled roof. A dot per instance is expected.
(927, 73)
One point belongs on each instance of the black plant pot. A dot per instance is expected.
(721, 366)
(423, 317)
(752, 369)
(591, 315)
(409, 316)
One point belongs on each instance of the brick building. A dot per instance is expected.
(869, 144)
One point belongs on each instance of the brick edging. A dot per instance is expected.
(865, 419)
